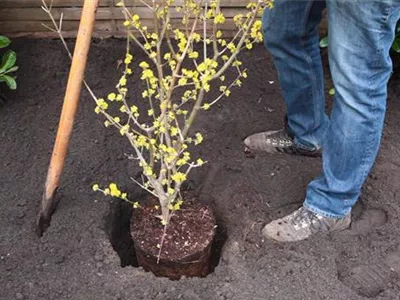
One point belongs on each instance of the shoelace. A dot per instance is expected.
(282, 138)
(306, 218)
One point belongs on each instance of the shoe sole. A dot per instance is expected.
(252, 153)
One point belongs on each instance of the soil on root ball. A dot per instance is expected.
(183, 248)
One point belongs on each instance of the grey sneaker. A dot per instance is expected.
(302, 224)
(276, 141)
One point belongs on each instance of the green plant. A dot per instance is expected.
(396, 42)
(177, 80)
(323, 43)
(8, 60)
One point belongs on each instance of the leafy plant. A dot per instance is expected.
(396, 42)
(7, 66)
(181, 67)
(177, 80)
(323, 43)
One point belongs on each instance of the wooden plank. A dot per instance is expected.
(8, 27)
(79, 3)
(73, 33)
(18, 17)
(56, 3)
(103, 13)
(17, 27)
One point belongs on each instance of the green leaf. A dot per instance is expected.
(12, 84)
(323, 43)
(13, 69)
(332, 92)
(8, 60)
(4, 41)
(396, 45)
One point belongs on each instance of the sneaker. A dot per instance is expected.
(276, 141)
(302, 224)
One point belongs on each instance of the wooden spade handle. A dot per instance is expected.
(68, 113)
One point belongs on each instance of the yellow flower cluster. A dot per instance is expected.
(179, 177)
(112, 190)
(256, 31)
(101, 105)
(176, 205)
(134, 21)
(219, 19)
(207, 70)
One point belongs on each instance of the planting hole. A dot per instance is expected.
(118, 230)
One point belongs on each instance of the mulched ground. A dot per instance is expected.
(75, 259)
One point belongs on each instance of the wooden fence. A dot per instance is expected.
(26, 18)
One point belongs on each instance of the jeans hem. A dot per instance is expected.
(307, 148)
(323, 213)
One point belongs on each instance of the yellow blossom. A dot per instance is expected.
(111, 96)
(182, 81)
(114, 191)
(124, 129)
(128, 59)
(144, 65)
(219, 19)
(179, 177)
(122, 81)
(194, 55)
(199, 138)
(174, 131)
(167, 56)
(206, 106)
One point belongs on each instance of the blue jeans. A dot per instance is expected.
(360, 35)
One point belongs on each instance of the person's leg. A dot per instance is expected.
(360, 36)
(291, 36)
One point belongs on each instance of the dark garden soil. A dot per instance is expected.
(183, 248)
(75, 259)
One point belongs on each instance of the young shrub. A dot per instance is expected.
(176, 80)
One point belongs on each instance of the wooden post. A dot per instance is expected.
(68, 113)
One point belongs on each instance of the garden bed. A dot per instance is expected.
(81, 254)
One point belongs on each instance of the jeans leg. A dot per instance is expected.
(291, 36)
(360, 35)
